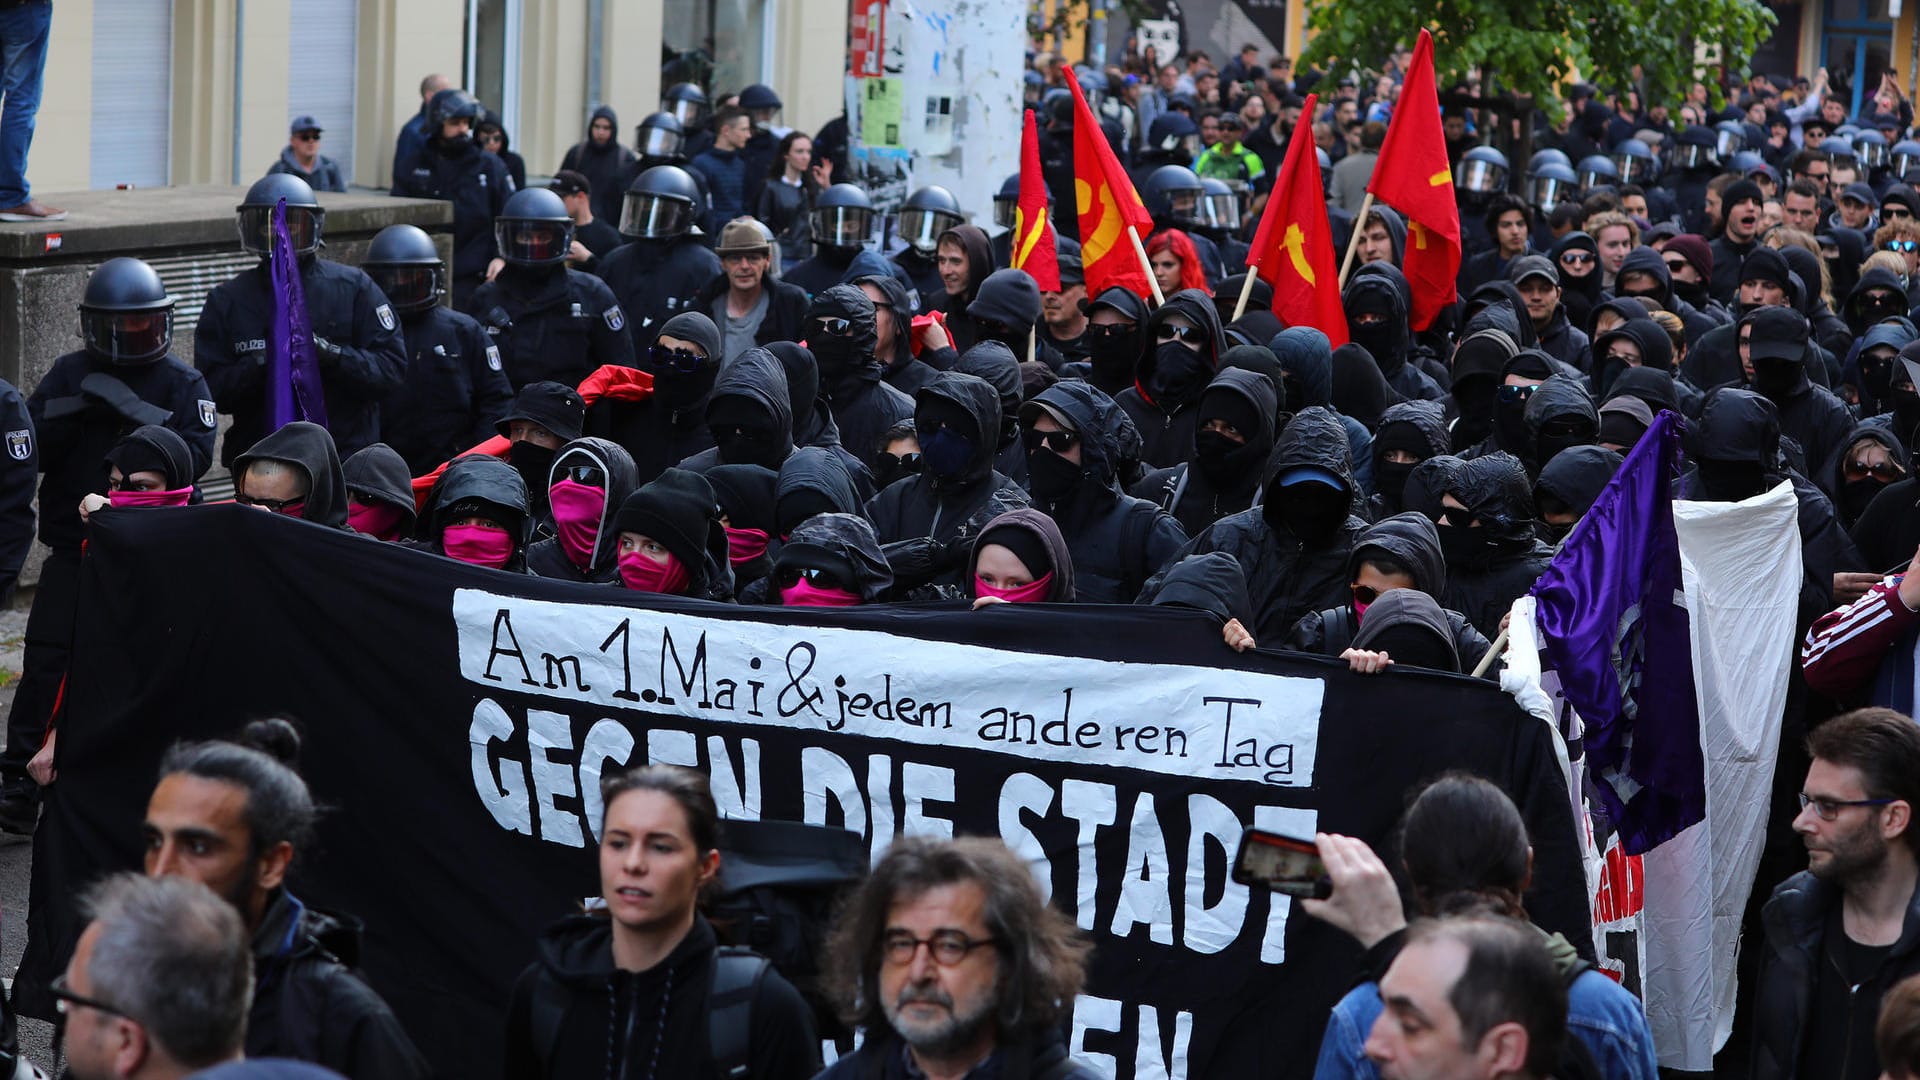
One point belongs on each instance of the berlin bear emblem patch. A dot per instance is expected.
(20, 444)
(207, 418)
(386, 316)
(615, 320)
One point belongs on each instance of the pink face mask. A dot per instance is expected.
(1033, 592)
(1359, 611)
(177, 497)
(804, 593)
(378, 520)
(745, 545)
(642, 574)
(577, 509)
(477, 544)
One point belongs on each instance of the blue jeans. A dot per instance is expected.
(23, 59)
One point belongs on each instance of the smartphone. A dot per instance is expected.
(1281, 863)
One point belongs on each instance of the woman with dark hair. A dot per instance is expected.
(786, 199)
(623, 990)
(1176, 263)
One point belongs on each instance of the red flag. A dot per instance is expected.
(1107, 204)
(1412, 176)
(1293, 249)
(1034, 248)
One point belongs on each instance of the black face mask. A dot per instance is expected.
(1390, 480)
(1876, 377)
(1550, 533)
(1412, 645)
(1113, 358)
(1292, 399)
(1463, 545)
(1179, 374)
(533, 462)
(837, 356)
(1385, 340)
(1730, 481)
(1312, 515)
(748, 446)
(1510, 423)
(1051, 477)
(1906, 411)
(677, 390)
(1775, 379)
(1693, 292)
(1550, 443)
(1854, 497)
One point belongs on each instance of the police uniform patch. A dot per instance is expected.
(493, 357)
(207, 417)
(615, 320)
(20, 444)
(386, 316)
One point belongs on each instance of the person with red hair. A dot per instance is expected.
(1176, 265)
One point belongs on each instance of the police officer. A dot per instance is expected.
(356, 336)
(841, 219)
(456, 386)
(452, 167)
(664, 265)
(926, 214)
(550, 322)
(763, 106)
(1174, 196)
(124, 377)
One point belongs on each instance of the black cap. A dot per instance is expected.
(1232, 119)
(1861, 191)
(1742, 190)
(1779, 333)
(304, 123)
(1071, 271)
(554, 406)
(569, 182)
(1528, 266)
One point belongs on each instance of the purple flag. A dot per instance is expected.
(293, 374)
(1613, 628)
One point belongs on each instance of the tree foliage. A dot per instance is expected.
(1532, 47)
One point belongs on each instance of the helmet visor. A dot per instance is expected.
(841, 226)
(654, 217)
(659, 142)
(1480, 177)
(407, 288)
(1549, 192)
(691, 114)
(1728, 143)
(1633, 169)
(303, 228)
(922, 228)
(1184, 207)
(1694, 156)
(128, 337)
(1593, 178)
(1871, 154)
(1221, 210)
(1005, 211)
(532, 243)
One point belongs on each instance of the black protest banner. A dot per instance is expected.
(458, 720)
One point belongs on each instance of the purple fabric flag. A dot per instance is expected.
(1613, 628)
(293, 374)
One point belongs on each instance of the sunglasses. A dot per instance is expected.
(1884, 471)
(278, 506)
(1109, 331)
(589, 475)
(904, 464)
(1576, 258)
(1057, 441)
(1674, 266)
(1364, 594)
(789, 576)
(1896, 213)
(1169, 332)
(681, 360)
(835, 326)
(307, 136)
(1517, 393)
(1902, 245)
(997, 331)
(1628, 359)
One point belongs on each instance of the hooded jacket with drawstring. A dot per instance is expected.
(863, 406)
(1287, 575)
(605, 167)
(548, 558)
(1411, 540)
(307, 447)
(1306, 365)
(1501, 558)
(1164, 415)
(1117, 541)
(1194, 494)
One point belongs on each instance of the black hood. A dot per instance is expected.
(1832, 471)
(819, 471)
(848, 539)
(1558, 398)
(623, 476)
(1315, 437)
(903, 311)
(1381, 288)
(993, 362)
(479, 477)
(1645, 260)
(1656, 355)
(812, 417)
(1846, 268)
(1307, 358)
(1429, 418)
(308, 447)
(1396, 228)
(1649, 385)
(1484, 351)
(1400, 608)
(1501, 292)
(1876, 278)
(604, 112)
(1103, 425)
(1577, 475)
(1198, 309)
(1589, 286)
(973, 394)
(1412, 540)
(973, 240)
(745, 494)
(848, 302)
(1044, 533)
(1495, 487)
(1260, 395)
(1359, 389)
(1805, 265)
(758, 376)
(1213, 583)
(150, 443)
(1737, 425)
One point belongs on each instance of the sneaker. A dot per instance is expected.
(32, 211)
(18, 815)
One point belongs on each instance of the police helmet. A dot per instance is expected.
(1219, 205)
(1176, 134)
(842, 217)
(1905, 156)
(1032, 85)
(1006, 204)
(1172, 195)
(1871, 148)
(758, 98)
(1839, 152)
(688, 104)
(1541, 157)
(1483, 170)
(1326, 170)
(1637, 162)
(126, 315)
(1747, 162)
(1552, 185)
(663, 203)
(660, 135)
(1697, 148)
(1057, 103)
(1729, 139)
(452, 103)
(404, 263)
(304, 215)
(926, 214)
(534, 229)
(1596, 170)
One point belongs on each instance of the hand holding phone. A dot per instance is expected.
(1281, 863)
(1364, 902)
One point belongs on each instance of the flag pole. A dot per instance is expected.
(1032, 334)
(1353, 242)
(1493, 652)
(1146, 264)
(1246, 290)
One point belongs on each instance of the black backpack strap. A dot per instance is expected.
(736, 980)
(547, 1010)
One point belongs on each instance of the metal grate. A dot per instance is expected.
(191, 277)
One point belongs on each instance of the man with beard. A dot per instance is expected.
(1844, 931)
(985, 995)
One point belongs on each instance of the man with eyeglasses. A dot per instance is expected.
(954, 964)
(294, 472)
(1840, 934)
(749, 305)
(302, 158)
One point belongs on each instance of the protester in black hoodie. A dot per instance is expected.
(604, 162)
(957, 491)
(1486, 533)
(379, 493)
(1294, 546)
(830, 560)
(1399, 552)
(1020, 558)
(1115, 338)
(1636, 343)
(1377, 317)
(1007, 309)
(749, 415)
(625, 990)
(1645, 274)
(1479, 367)
(669, 425)
(1567, 487)
(1211, 582)
(1579, 292)
(477, 514)
(995, 362)
(543, 417)
(670, 539)
(812, 481)
(1238, 425)
(1408, 629)
(296, 472)
(893, 324)
(1410, 432)
(1074, 438)
(590, 479)
(812, 417)
(960, 286)
(489, 127)
(1854, 475)
(841, 332)
(746, 496)
(1775, 344)
(1559, 415)
(1179, 358)
(1360, 392)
